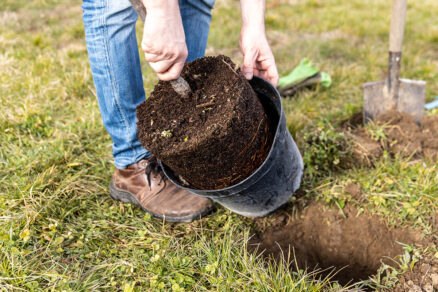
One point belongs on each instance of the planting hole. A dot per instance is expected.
(346, 246)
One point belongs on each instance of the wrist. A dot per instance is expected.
(253, 15)
(258, 28)
(161, 6)
(253, 30)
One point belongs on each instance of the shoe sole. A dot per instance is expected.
(126, 197)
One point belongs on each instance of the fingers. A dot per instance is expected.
(151, 58)
(249, 59)
(272, 74)
(148, 47)
(167, 70)
(161, 66)
(168, 64)
(172, 73)
(271, 77)
(267, 69)
(155, 56)
(261, 64)
(170, 69)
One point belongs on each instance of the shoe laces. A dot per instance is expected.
(153, 167)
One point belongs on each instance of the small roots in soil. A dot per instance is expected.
(343, 245)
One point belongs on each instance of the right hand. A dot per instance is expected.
(164, 42)
(257, 55)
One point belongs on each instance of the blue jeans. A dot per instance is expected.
(115, 65)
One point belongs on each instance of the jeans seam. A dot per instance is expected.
(113, 81)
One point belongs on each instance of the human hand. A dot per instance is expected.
(164, 40)
(257, 55)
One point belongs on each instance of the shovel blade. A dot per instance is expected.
(411, 97)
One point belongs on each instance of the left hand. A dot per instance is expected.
(257, 55)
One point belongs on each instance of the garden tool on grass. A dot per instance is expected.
(179, 85)
(394, 93)
(304, 75)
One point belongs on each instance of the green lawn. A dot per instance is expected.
(60, 230)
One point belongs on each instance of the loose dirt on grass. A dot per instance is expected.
(354, 190)
(423, 277)
(346, 245)
(216, 137)
(402, 136)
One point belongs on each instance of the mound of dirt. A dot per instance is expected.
(403, 136)
(423, 278)
(214, 138)
(345, 245)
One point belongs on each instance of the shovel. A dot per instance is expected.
(179, 85)
(394, 93)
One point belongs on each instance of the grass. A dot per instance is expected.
(59, 229)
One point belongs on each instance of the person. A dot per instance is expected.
(175, 32)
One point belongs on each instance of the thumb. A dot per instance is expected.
(249, 59)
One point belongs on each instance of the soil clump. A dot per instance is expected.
(215, 138)
(402, 135)
(344, 245)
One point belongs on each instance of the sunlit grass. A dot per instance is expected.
(60, 230)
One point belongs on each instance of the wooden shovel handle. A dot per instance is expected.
(179, 85)
(139, 8)
(398, 20)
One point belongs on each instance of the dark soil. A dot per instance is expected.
(353, 121)
(403, 136)
(424, 277)
(215, 138)
(345, 245)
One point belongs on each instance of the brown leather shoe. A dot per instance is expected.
(145, 185)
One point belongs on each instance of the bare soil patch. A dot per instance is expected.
(403, 136)
(344, 244)
(423, 278)
(215, 138)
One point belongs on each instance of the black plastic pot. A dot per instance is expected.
(275, 181)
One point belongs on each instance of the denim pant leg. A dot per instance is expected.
(115, 66)
(196, 17)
